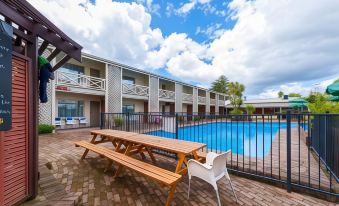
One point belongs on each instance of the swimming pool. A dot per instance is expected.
(244, 138)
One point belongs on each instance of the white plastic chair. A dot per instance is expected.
(70, 121)
(212, 171)
(83, 120)
(57, 121)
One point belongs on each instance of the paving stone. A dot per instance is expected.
(85, 183)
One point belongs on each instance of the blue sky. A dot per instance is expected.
(266, 45)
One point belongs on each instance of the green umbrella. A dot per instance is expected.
(334, 98)
(297, 102)
(333, 89)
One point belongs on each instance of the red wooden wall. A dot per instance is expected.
(14, 143)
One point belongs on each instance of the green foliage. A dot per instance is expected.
(319, 104)
(237, 111)
(220, 85)
(280, 94)
(294, 95)
(336, 81)
(235, 94)
(196, 118)
(250, 109)
(118, 121)
(46, 128)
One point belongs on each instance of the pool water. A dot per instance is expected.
(244, 138)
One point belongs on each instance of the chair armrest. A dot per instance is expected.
(210, 157)
(200, 170)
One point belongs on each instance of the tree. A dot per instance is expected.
(319, 104)
(250, 109)
(220, 85)
(280, 94)
(294, 95)
(235, 90)
(336, 81)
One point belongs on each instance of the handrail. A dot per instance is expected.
(166, 94)
(80, 80)
(134, 89)
(201, 99)
(187, 97)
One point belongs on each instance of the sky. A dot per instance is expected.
(268, 46)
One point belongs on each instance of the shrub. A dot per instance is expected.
(119, 121)
(196, 119)
(46, 128)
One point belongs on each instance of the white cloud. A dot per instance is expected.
(114, 30)
(187, 7)
(273, 43)
(150, 6)
(297, 87)
(212, 31)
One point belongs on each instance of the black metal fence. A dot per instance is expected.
(299, 151)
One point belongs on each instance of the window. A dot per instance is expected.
(71, 68)
(70, 108)
(72, 76)
(128, 108)
(128, 80)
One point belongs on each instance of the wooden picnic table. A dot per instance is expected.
(135, 143)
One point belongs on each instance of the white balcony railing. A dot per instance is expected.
(187, 97)
(166, 94)
(80, 80)
(201, 99)
(221, 103)
(212, 101)
(133, 89)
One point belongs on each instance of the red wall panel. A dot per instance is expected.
(14, 143)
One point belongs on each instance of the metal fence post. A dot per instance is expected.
(102, 120)
(288, 141)
(128, 122)
(176, 125)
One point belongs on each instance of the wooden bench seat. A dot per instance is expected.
(202, 155)
(163, 176)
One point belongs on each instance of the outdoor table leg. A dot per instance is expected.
(181, 160)
(150, 153)
(117, 148)
(128, 149)
(87, 150)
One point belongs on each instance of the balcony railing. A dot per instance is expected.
(166, 94)
(187, 97)
(212, 101)
(133, 89)
(201, 99)
(80, 80)
(221, 103)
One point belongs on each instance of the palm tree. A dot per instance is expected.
(235, 91)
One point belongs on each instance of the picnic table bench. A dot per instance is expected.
(163, 176)
(129, 143)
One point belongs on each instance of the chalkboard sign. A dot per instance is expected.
(6, 32)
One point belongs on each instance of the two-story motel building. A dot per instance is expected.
(99, 85)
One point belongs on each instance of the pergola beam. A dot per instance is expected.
(53, 54)
(61, 62)
(42, 48)
(69, 47)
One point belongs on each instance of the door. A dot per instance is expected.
(14, 143)
(95, 73)
(95, 114)
(145, 111)
(189, 112)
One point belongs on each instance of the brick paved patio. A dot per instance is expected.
(85, 183)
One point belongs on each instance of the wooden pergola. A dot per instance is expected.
(29, 28)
